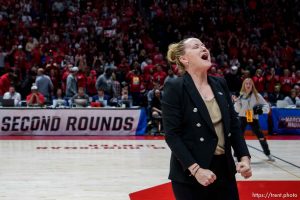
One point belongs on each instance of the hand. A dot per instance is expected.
(234, 98)
(243, 167)
(205, 177)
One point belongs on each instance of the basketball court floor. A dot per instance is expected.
(110, 168)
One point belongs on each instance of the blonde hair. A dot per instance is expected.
(243, 89)
(176, 50)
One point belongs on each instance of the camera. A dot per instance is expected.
(257, 109)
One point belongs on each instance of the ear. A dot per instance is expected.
(183, 60)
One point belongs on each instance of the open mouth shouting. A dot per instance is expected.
(205, 57)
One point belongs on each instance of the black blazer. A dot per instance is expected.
(190, 133)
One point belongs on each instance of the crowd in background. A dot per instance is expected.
(109, 51)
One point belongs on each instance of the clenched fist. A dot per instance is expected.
(205, 177)
(243, 167)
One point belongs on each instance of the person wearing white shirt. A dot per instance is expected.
(292, 99)
(249, 105)
(12, 94)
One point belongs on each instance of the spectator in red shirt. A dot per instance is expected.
(55, 78)
(148, 71)
(286, 82)
(149, 68)
(5, 81)
(159, 75)
(148, 80)
(123, 68)
(287, 55)
(65, 74)
(220, 73)
(91, 82)
(81, 79)
(35, 98)
(36, 55)
(157, 56)
(271, 80)
(135, 81)
(259, 81)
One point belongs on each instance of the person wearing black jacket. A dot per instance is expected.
(201, 126)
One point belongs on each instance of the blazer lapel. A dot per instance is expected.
(221, 99)
(197, 100)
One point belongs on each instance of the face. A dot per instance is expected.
(124, 94)
(246, 73)
(59, 92)
(219, 71)
(258, 72)
(100, 93)
(155, 85)
(293, 93)
(297, 89)
(157, 93)
(248, 85)
(196, 54)
(286, 72)
(213, 70)
(81, 91)
(158, 68)
(11, 90)
(277, 88)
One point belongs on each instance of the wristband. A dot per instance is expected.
(196, 172)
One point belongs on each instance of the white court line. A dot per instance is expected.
(273, 163)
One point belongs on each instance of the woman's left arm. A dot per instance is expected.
(262, 101)
(237, 139)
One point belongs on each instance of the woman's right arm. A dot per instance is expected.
(237, 105)
(172, 121)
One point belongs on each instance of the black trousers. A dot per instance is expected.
(256, 129)
(224, 187)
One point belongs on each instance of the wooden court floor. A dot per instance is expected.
(38, 168)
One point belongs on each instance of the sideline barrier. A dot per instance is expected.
(286, 120)
(111, 121)
(79, 121)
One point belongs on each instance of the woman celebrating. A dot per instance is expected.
(201, 126)
(249, 105)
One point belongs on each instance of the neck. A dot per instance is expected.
(247, 92)
(199, 77)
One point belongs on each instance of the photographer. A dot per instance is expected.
(249, 105)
